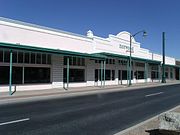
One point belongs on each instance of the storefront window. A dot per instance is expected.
(154, 75)
(139, 74)
(4, 77)
(96, 75)
(166, 75)
(108, 75)
(124, 74)
(36, 75)
(1, 55)
(113, 74)
(16, 75)
(75, 75)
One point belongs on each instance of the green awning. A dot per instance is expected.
(175, 66)
(51, 51)
(127, 57)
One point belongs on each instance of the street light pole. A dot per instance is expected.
(130, 49)
(130, 61)
(163, 64)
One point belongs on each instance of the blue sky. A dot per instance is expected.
(104, 17)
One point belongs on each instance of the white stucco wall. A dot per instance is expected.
(26, 35)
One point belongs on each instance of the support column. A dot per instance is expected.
(163, 65)
(146, 72)
(104, 72)
(101, 73)
(67, 72)
(127, 72)
(10, 73)
(23, 75)
(159, 73)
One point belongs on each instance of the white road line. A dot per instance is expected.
(14, 121)
(154, 94)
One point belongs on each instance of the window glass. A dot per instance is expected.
(65, 60)
(75, 75)
(33, 58)
(16, 75)
(79, 61)
(124, 74)
(140, 74)
(110, 61)
(154, 74)
(20, 57)
(108, 75)
(1, 55)
(6, 56)
(119, 74)
(43, 58)
(113, 61)
(113, 74)
(4, 77)
(171, 75)
(14, 57)
(83, 62)
(96, 75)
(38, 58)
(49, 59)
(36, 75)
(166, 74)
(26, 57)
(70, 61)
(74, 60)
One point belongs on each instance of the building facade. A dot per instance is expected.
(33, 57)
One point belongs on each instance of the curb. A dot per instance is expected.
(146, 121)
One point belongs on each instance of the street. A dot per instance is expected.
(97, 114)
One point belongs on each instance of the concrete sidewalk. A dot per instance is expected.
(20, 96)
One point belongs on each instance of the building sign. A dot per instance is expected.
(127, 48)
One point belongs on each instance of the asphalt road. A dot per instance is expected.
(98, 114)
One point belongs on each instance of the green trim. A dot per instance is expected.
(147, 60)
(10, 74)
(113, 55)
(127, 57)
(51, 51)
(175, 66)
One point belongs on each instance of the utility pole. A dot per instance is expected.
(163, 64)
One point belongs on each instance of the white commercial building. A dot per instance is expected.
(33, 57)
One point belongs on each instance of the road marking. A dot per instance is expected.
(154, 94)
(14, 121)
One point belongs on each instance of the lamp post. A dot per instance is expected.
(130, 58)
(163, 64)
